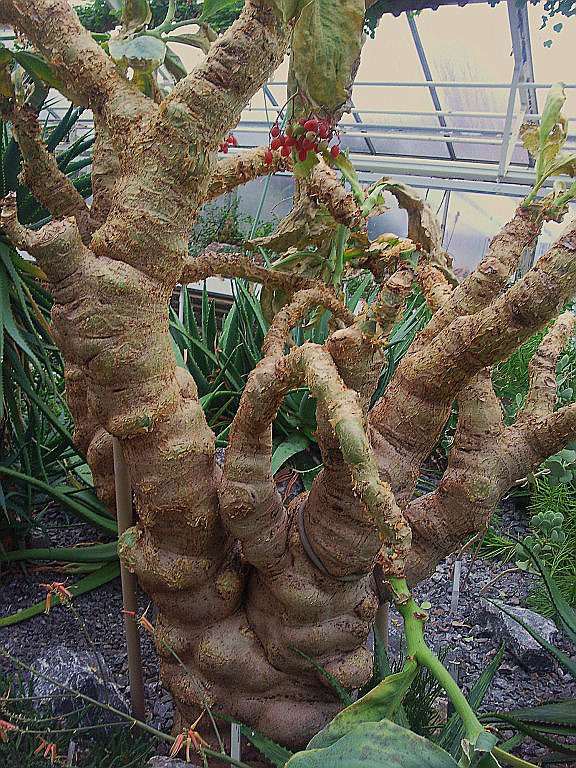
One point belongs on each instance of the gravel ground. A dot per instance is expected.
(469, 647)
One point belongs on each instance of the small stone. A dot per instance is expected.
(517, 640)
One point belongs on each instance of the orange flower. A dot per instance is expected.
(190, 738)
(56, 588)
(5, 728)
(48, 750)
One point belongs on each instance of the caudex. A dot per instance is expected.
(239, 579)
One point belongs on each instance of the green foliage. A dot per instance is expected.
(553, 719)
(510, 378)
(372, 745)
(99, 16)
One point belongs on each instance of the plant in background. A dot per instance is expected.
(112, 269)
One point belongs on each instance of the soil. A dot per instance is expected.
(468, 647)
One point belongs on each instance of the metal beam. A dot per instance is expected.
(428, 75)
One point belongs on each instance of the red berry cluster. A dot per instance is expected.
(307, 135)
(231, 141)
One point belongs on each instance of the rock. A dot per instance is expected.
(168, 762)
(82, 671)
(517, 640)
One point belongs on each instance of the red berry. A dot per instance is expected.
(311, 125)
(268, 157)
(335, 150)
(275, 131)
(285, 151)
(275, 143)
(290, 141)
(232, 140)
(302, 155)
(224, 148)
(306, 144)
(323, 129)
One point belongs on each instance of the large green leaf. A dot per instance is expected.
(375, 745)
(325, 47)
(136, 14)
(379, 703)
(288, 448)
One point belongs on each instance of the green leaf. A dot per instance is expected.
(379, 703)
(136, 14)
(61, 494)
(174, 64)
(38, 68)
(92, 554)
(326, 44)
(142, 52)
(530, 137)
(276, 753)
(342, 162)
(288, 448)
(98, 578)
(565, 612)
(214, 8)
(375, 745)
(559, 655)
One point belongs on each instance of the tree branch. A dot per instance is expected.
(57, 246)
(491, 275)
(226, 264)
(49, 185)
(542, 369)
(87, 75)
(209, 101)
(409, 417)
(292, 313)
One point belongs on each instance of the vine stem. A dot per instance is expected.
(416, 647)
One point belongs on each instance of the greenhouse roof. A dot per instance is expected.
(441, 95)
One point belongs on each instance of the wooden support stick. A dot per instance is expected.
(124, 515)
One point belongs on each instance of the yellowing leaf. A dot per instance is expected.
(325, 48)
(530, 137)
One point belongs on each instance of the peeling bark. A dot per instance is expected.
(239, 580)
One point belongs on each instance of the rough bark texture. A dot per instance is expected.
(242, 583)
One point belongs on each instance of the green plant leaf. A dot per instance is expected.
(62, 495)
(136, 14)
(214, 8)
(559, 655)
(566, 613)
(38, 68)
(108, 572)
(379, 703)
(95, 553)
(326, 43)
(375, 745)
(288, 448)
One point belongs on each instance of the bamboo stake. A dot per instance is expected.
(124, 515)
